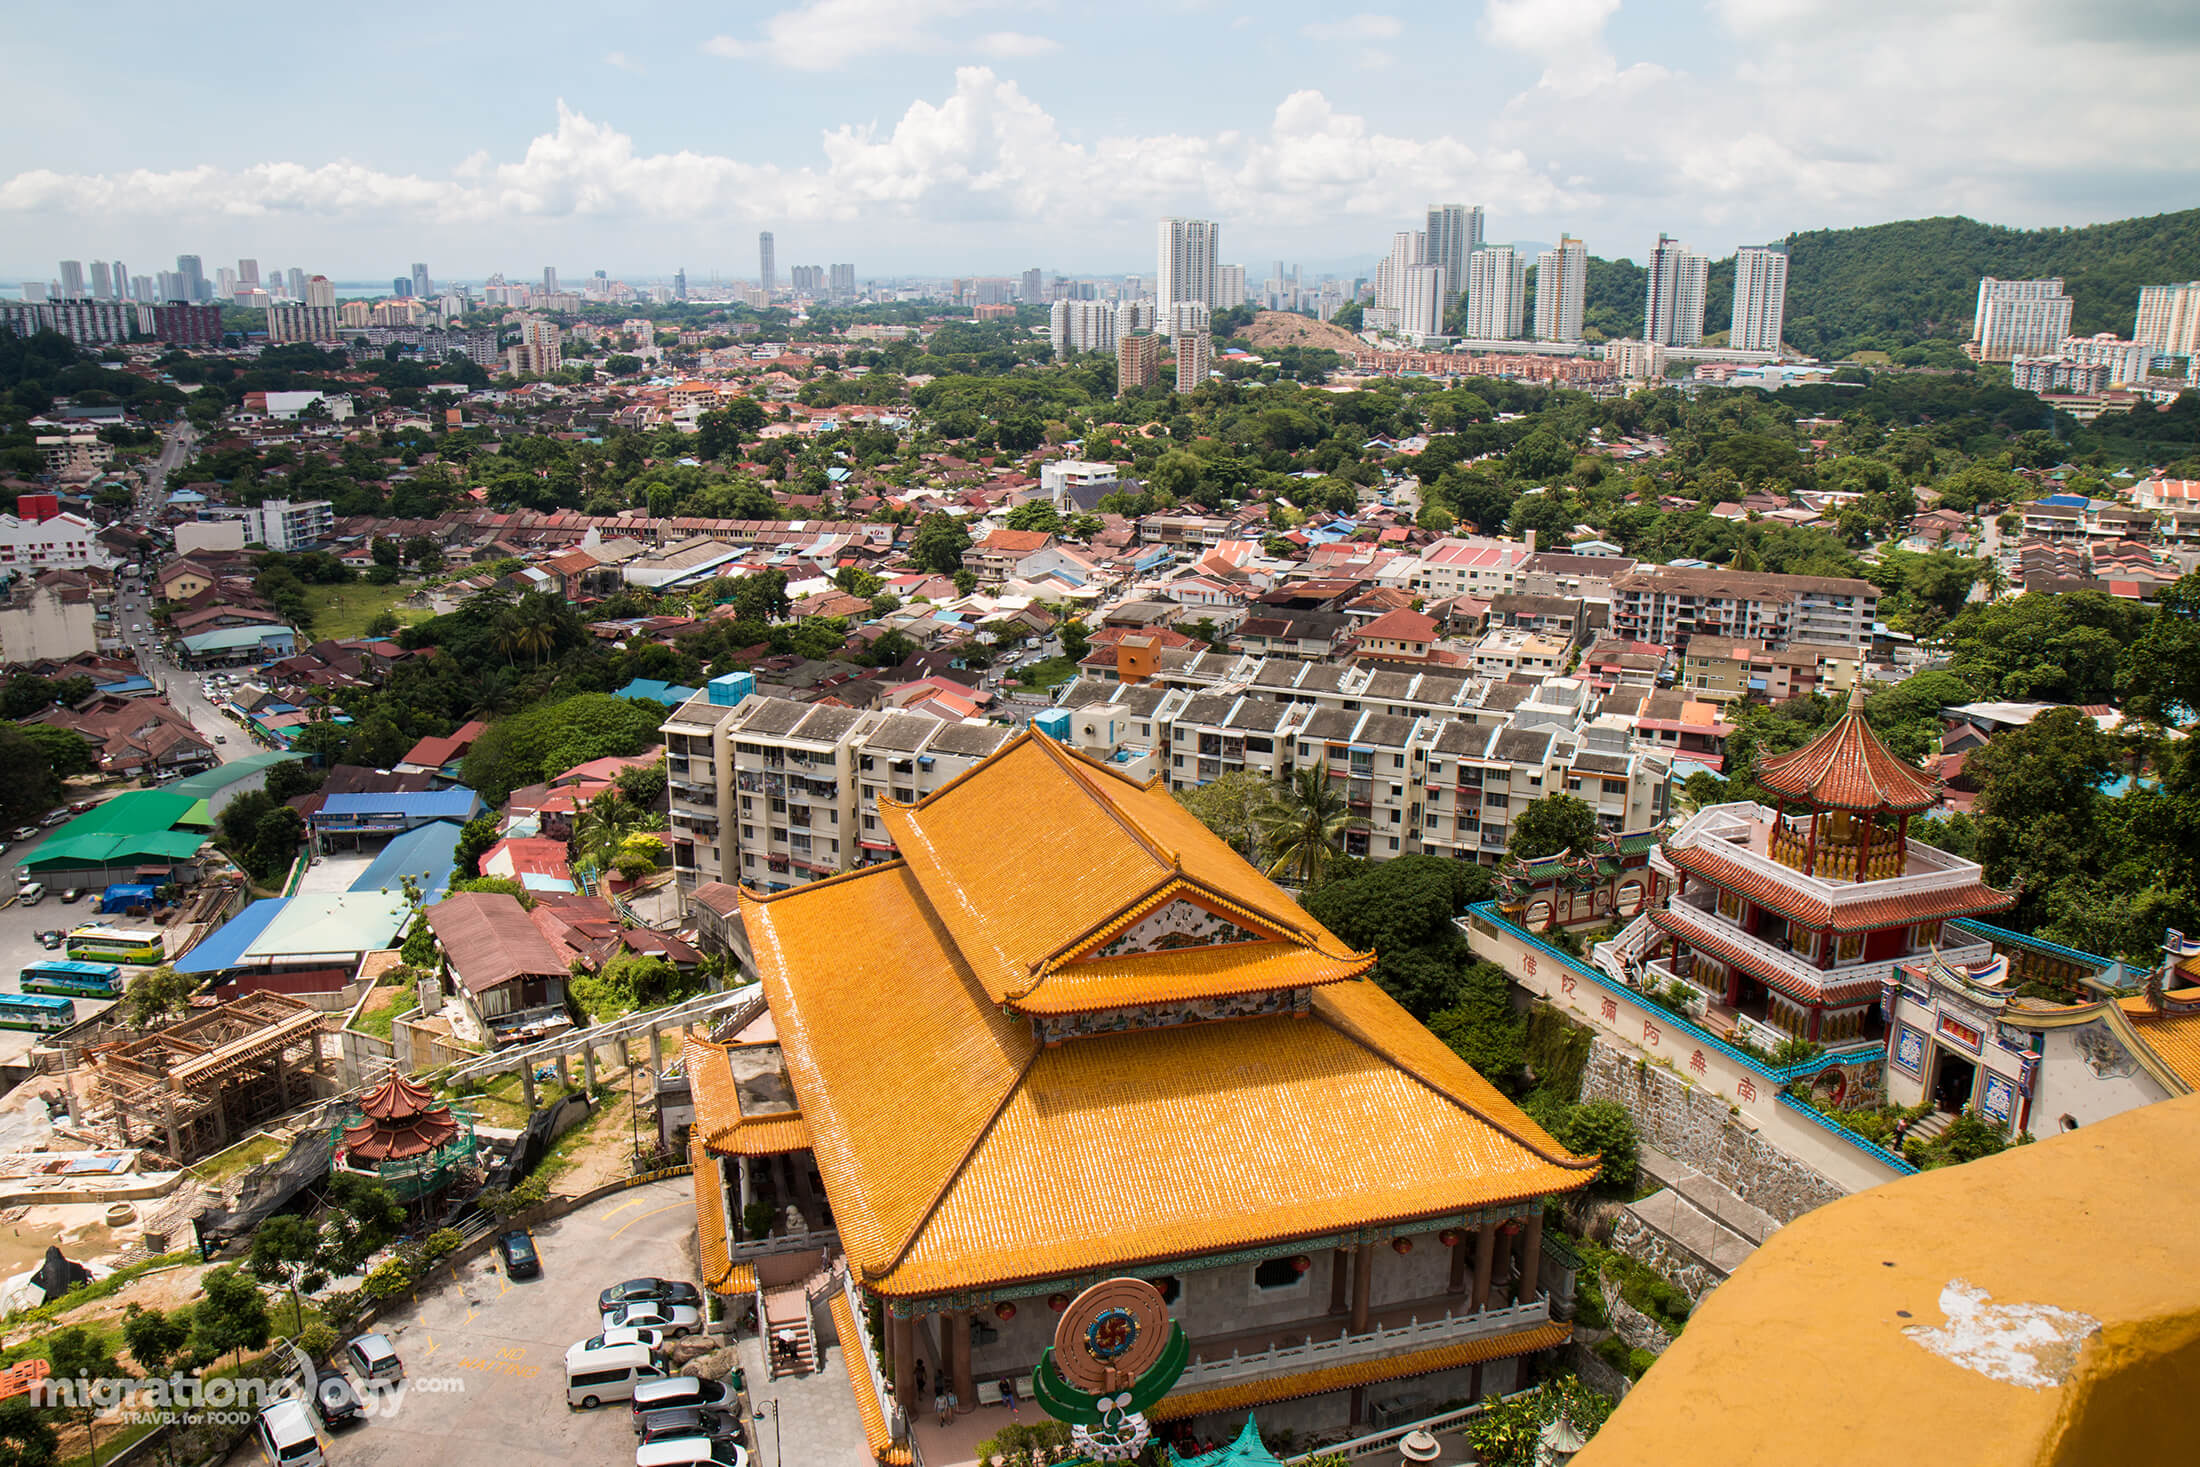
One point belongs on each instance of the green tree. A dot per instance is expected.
(25, 1438)
(157, 994)
(939, 544)
(153, 1337)
(604, 826)
(289, 1252)
(363, 1218)
(1304, 826)
(231, 1315)
(1550, 824)
(28, 788)
(1076, 641)
(65, 751)
(1230, 805)
(1480, 1026)
(82, 1356)
(1035, 514)
(292, 778)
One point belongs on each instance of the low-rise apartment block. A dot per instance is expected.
(1728, 669)
(1667, 606)
(773, 793)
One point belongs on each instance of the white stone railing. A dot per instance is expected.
(779, 1243)
(1384, 1443)
(1617, 955)
(1346, 1347)
(1693, 920)
(1661, 972)
(1725, 829)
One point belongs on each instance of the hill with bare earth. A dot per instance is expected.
(1273, 329)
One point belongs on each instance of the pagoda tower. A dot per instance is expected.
(404, 1136)
(1785, 921)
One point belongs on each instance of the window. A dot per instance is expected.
(1278, 1273)
(1397, 761)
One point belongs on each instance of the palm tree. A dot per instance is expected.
(496, 689)
(604, 824)
(1305, 824)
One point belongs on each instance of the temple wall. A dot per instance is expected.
(1697, 1126)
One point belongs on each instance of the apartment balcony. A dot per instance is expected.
(695, 792)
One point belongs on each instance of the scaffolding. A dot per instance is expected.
(200, 1084)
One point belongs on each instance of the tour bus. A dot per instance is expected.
(74, 980)
(116, 945)
(36, 1011)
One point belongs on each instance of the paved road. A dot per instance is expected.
(495, 1349)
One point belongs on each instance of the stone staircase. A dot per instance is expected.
(1931, 1126)
(787, 1312)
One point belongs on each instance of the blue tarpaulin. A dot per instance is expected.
(123, 896)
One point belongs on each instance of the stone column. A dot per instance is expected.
(1485, 1253)
(901, 1338)
(656, 1054)
(588, 1066)
(958, 1354)
(1363, 1279)
(527, 1086)
(1531, 1258)
(1340, 1270)
(563, 1078)
(748, 1193)
(1458, 1282)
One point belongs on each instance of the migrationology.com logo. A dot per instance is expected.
(228, 1400)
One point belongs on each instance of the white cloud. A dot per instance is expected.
(1013, 45)
(622, 61)
(985, 152)
(823, 35)
(1361, 27)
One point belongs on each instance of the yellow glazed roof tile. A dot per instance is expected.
(875, 1434)
(2174, 1038)
(1039, 852)
(710, 1217)
(1186, 973)
(761, 1136)
(896, 1055)
(1248, 1394)
(719, 1119)
(959, 1154)
(1202, 1138)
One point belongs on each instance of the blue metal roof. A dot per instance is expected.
(427, 854)
(455, 803)
(657, 690)
(222, 949)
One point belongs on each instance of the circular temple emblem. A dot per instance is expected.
(1111, 1333)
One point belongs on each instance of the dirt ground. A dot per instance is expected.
(1281, 328)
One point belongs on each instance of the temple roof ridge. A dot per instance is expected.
(1848, 768)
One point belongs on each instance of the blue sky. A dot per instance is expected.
(937, 136)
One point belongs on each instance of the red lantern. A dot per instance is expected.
(1510, 1227)
(1450, 1237)
(1401, 1245)
(1004, 1311)
(1057, 1302)
(1301, 1263)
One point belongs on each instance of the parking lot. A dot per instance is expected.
(19, 929)
(490, 1352)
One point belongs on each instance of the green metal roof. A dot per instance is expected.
(209, 782)
(134, 826)
(199, 817)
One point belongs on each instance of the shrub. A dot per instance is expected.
(440, 1244)
(387, 1279)
(317, 1339)
(756, 1220)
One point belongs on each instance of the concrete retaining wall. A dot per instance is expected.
(1696, 1125)
(1678, 1263)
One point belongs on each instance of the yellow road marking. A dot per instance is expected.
(630, 1202)
(622, 1227)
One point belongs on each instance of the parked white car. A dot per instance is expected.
(676, 1320)
(625, 1335)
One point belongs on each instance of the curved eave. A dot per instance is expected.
(1892, 910)
(1152, 980)
(1834, 991)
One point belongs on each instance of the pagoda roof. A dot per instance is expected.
(1794, 895)
(1247, 1451)
(1848, 768)
(1705, 938)
(743, 1105)
(961, 1152)
(1036, 870)
(401, 1120)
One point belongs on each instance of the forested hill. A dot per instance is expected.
(1891, 286)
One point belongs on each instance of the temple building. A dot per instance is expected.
(1068, 1035)
(1787, 922)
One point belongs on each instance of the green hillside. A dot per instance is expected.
(1892, 286)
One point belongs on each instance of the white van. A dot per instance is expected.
(691, 1451)
(32, 894)
(609, 1373)
(288, 1435)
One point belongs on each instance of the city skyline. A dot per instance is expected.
(949, 141)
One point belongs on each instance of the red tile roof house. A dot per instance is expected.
(507, 977)
(441, 756)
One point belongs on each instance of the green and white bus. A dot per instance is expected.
(36, 1011)
(74, 980)
(116, 945)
